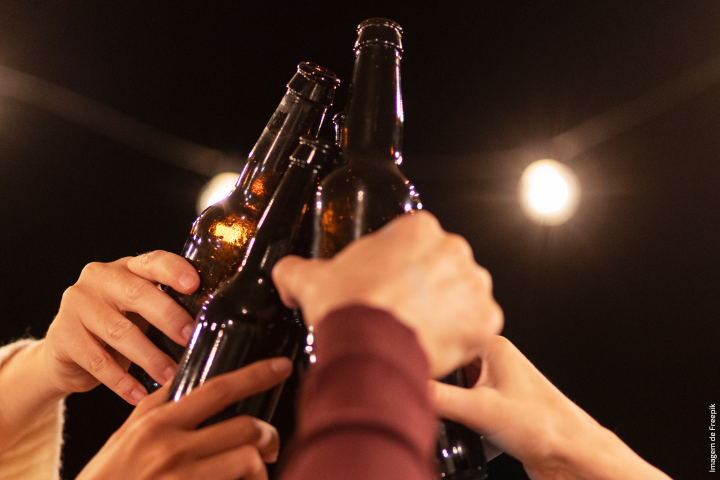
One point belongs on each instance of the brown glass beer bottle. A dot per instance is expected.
(369, 190)
(244, 320)
(220, 235)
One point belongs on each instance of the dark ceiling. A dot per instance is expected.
(619, 306)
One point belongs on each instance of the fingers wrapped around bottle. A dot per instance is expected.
(99, 329)
(412, 268)
(160, 439)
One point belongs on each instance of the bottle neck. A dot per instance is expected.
(373, 128)
(283, 216)
(301, 112)
(268, 159)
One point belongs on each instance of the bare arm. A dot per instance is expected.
(516, 408)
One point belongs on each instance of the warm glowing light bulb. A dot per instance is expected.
(216, 190)
(549, 192)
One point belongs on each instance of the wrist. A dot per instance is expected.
(46, 373)
(599, 454)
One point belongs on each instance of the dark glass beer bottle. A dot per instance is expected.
(244, 320)
(369, 191)
(220, 235)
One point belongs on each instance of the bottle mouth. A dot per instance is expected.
(383, 31)
(315, 83)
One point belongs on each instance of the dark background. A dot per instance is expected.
(618, 307)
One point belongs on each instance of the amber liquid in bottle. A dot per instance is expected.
(369, 191)
(245, 320)
(220, 235)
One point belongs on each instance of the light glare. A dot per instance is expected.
(549, 192)
(216, 190)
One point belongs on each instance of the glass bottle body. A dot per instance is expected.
(219, 237)
(245, 320)
(369, 191)
(239, 326)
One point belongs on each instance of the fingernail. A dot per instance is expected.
(168, 374)
(281, 365)
(187, 332)
(137, 394)
(187, 280)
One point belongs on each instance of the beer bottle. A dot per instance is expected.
(220, 235)
(244, 320)
(369, 191)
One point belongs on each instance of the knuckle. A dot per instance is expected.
(427, 223)
(167, 452)
(72, 294)
(176, 316)
(124, 384)
(137, 289)
(147, 259)
(98, 362)
(92, 270)
(157, 362)
(457, 245)
(251, 427)
(118, 330)
(219, 389)
(425, 218)
(484, 277)
(496, 319)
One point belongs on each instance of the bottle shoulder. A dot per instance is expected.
(366, 174)
(233, 224)
(368, 181)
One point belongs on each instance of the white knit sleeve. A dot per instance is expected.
(36, 456)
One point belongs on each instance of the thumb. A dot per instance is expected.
(472, 407)
(289, 276)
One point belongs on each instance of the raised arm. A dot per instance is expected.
(516, 408)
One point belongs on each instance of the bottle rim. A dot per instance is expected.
(379, 31)
(317, 73)
(314, 83)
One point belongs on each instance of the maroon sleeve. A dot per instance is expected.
(363, 411)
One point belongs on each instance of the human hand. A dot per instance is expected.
(159, 440)
(98, 330)
(518, 410)
(427, 278)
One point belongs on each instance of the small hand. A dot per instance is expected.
(98, 330)
(159, 441)
(518, 410)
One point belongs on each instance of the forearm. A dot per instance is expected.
(611, 459)
(26, 393)
(596, 454)
(364, 412)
